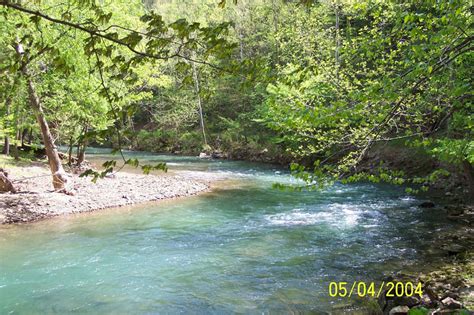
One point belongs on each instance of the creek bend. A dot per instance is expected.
(243, 247)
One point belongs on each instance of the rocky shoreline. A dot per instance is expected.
(448, 289)
(446, 275)
(447, 286)
(35, 198)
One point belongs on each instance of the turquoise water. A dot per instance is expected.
(244, 247)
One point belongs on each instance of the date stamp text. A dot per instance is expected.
(372, 289)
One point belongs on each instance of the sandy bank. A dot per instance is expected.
(36, 199)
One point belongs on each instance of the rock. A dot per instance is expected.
(386, 305)
(427, 204)
(64, 156)
(5, 183)
(409, 301)
(453, 249)
(450, 294)
(442, 311)
(454, 210)
(427, 301)
(218, 155)
(451, 303)
(204, 155)
(399, 310)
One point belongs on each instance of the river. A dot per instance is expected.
(243, 247)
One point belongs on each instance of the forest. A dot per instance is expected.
(322, 84)
(98, 99)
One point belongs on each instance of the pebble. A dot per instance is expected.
(399, 310)
(451, 303)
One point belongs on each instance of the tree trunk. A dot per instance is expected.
(81, 156)
(30, 135)
(240, 13)
(6, 145)
(469, 173)
(69, 151)
(57, 171)
(24, 133)
(81, 147)
(14, 147)
(59, 176)
(275, 12)
(338, 40)
(198, 94)
(78, 148)
(241, 45)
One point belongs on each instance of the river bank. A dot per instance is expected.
(447, 285)
(36, 199)
(407, 161)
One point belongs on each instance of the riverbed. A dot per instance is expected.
(242, 247)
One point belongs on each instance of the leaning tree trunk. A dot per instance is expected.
(59, 176)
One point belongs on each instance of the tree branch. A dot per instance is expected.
(99, 33)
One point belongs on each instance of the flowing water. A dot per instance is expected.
(244, 247)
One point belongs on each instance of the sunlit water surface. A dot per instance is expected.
(244, 247)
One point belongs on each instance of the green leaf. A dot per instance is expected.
(418, 311)
(132, 162)
(147, 168)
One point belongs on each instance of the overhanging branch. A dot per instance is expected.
(101, 34)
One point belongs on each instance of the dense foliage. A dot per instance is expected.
(320, 83)
(375, 72)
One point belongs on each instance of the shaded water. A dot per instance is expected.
(244, 247)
